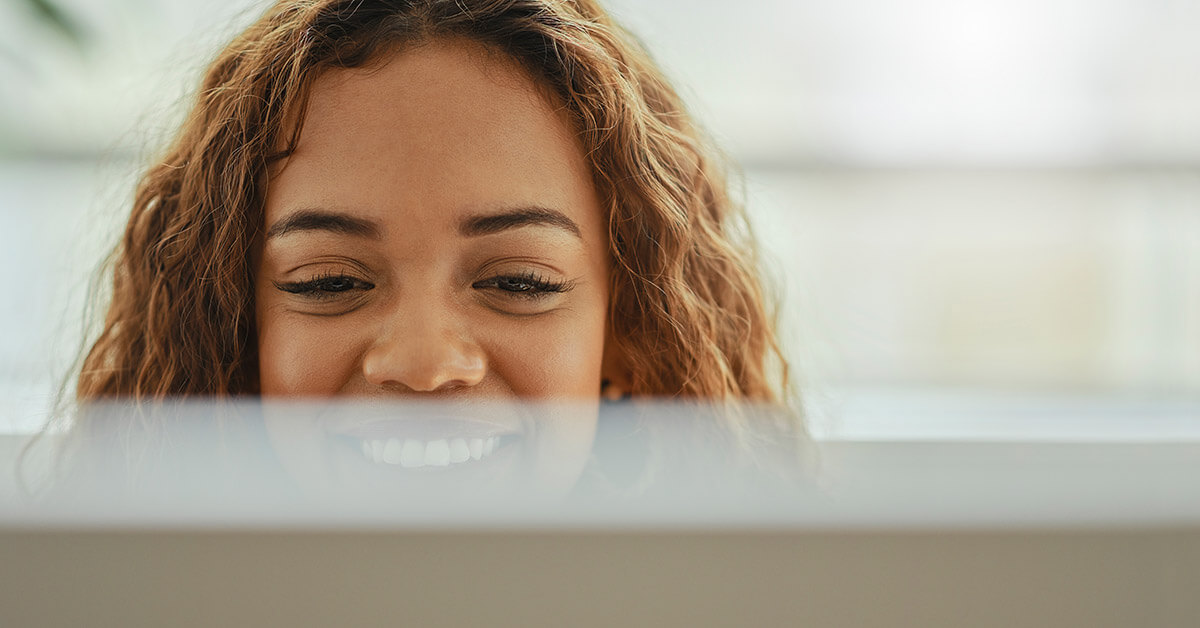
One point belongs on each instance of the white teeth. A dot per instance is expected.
(459, 451)
(411, 453)
(391, 451)
(437, 453)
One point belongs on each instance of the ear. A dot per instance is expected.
(616, 380)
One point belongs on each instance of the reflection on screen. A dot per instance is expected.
(483, 465)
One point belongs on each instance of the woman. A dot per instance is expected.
(436, 200)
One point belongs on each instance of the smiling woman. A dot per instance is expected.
(435, 230)
(437, 201)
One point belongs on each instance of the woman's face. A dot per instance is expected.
(435, 237)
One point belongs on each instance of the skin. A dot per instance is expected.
(435, 237)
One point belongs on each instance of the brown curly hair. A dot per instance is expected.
(689, 314)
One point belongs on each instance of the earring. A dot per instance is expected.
(612, 392)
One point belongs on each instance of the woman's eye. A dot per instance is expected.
(516, 284)
(325, 287)
(528, 285)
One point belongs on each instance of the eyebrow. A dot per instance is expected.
(518, 217)
(324, 220)
(473, 226)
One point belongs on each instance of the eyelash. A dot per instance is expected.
(534, 285)
(529, 285)
(322, 287)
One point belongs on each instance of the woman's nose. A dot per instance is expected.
(422, 349)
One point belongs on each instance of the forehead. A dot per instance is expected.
(443, 125)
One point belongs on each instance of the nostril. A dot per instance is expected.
(451, 386)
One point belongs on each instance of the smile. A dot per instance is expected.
(412, 453)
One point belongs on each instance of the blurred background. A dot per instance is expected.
(965, 204)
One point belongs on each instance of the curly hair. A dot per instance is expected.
(688, 313)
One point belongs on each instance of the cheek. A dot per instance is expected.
(296, 358)
(556, 358)
(557, 361)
